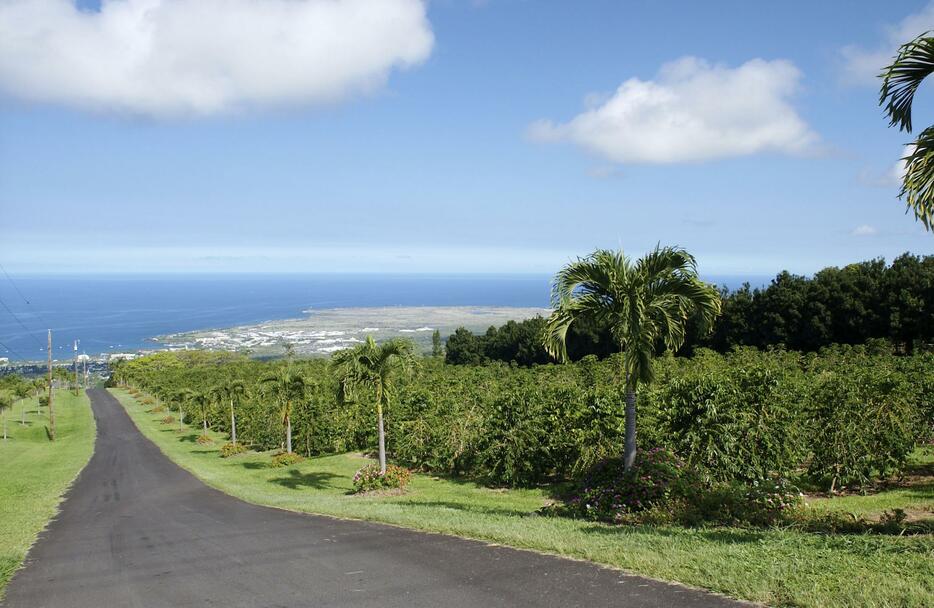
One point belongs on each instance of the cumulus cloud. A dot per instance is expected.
(201, 57)
(864, 230)
(692, 111)
(862, 66)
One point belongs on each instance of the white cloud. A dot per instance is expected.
(864, 230)
(184, 57)
(863, 65)
(692, 111)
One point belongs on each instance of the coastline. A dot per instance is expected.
(326, 330)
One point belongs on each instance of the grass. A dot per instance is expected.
(915, 496)
(777, 567)
(35, 472)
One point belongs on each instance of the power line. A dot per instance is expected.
(12, 351)
(21, 324)
(25, 299)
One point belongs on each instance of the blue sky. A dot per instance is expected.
(497, 136)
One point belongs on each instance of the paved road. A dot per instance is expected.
(138, 531)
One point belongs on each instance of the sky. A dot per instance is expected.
(450, 136)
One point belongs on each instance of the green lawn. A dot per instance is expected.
(778, 567)
(34, 472)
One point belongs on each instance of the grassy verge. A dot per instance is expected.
(778, 567)
(34, 472)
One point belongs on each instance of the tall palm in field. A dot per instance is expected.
(373, 366)
(22, 391)
(182, 397)
(288, 388)
(203, 400)
(232, 393)
(645, 304)
(900, 82)
(38, 385)
(5, 402)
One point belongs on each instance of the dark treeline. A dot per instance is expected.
(849, 305)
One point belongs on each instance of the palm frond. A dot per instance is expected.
(901, 79)
(918, 181)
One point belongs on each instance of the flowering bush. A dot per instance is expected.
(168, 420)
(232, 449)
(204, 440)
(608, 492)
(285, 459)
(157, 409)
(369, 478)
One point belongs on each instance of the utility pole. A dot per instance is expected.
(76, 367)
(85, 362)
(51, 411)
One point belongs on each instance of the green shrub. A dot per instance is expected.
(370, 479)
(285, 459)
(737, 417)
(232, 449)
(741, 417)
(156, 410)
(757, 503)
(862, 424)
(147, 401)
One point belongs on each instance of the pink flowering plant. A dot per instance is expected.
(370, 479)
(609, 493)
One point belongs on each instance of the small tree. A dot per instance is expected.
(645, 303)
(373, 367)
(22, 392)
(231, 392)
(288, 388)
(202, 401)
(437, 350)
(5, 402)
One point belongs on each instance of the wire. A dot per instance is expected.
(25, 299)
(21, 324)
(13, 351)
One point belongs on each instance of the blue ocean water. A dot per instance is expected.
(110, 313)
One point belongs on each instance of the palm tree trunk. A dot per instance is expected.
(181, 418)
(630, 448)
(288, 434)
(23, 412)
(233, 425)
(204, 425)
(382, 442)
(382, 432)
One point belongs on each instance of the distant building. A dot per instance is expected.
(123, 356)
(4, 361)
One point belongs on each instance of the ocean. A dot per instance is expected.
(109, 313)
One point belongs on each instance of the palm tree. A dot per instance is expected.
(288, 388)
(182, 396)
(38, 385)
(644, 303)
(373, 366)
(231, 392)
(900, 81)
(22, 391)
(5, 402)
(202, 401)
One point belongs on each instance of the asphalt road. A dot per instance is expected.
(138, 531)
